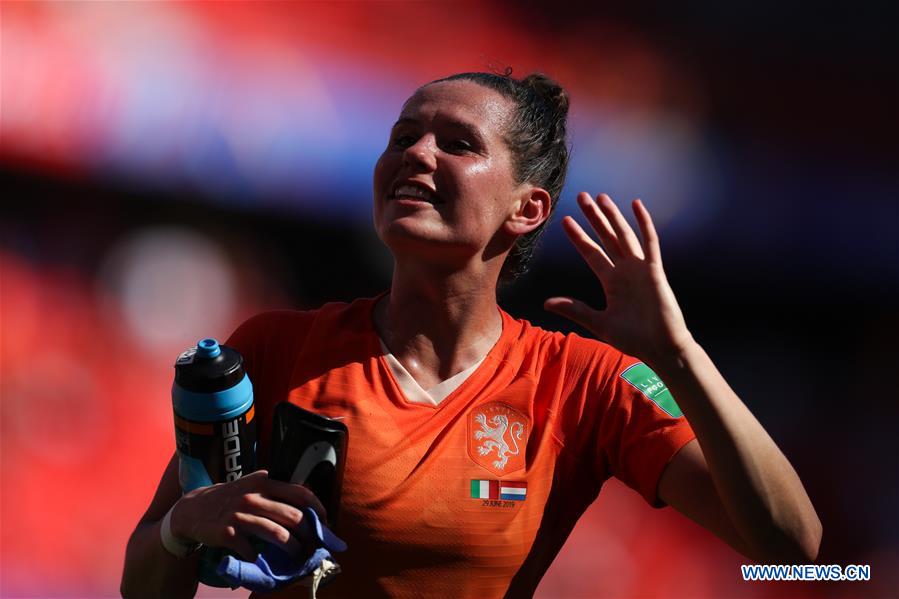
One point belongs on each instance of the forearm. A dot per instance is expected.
(151, 571)
(758, 487)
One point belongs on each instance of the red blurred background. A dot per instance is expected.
(171, 168)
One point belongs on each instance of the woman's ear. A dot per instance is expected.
(530, 210)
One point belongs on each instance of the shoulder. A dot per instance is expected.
(264, 325)
(279, 326)
(576, 353)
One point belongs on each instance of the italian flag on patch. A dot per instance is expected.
(494, 489)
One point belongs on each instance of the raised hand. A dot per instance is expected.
(642, 317)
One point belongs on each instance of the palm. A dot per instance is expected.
(642, 317)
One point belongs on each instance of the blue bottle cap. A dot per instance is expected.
(208, 348)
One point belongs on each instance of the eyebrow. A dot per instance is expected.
(404, 121)
(467, 127)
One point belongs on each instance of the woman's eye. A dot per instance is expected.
(403, 141)
(459, 145)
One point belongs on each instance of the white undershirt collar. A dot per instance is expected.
(414, 392)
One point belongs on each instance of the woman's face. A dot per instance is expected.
(444, 185)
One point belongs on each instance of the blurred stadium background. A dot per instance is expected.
(171, 168)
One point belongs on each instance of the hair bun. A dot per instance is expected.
(551, 92)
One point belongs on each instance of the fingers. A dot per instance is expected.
(294, 494)
(600, 223)
(266, 519)
(290, 493)
(648, 232)
(577, 311)
(267, 530)
(598, 261)
(284, 514)
(627, 240)
(616, 235)
(230, 514)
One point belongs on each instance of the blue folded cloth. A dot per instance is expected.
(273, 567)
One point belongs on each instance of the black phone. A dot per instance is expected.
(309, 449)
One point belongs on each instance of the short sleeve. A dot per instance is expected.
(270, 343)
(250, 339)
(642, 427)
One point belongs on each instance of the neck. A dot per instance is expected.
(438, 325)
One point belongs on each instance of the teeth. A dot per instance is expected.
(413, 191)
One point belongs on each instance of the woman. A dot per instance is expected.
(477, 440)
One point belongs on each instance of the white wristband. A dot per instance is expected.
(177, 547)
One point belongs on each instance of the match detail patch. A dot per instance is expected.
(494, 489)
(647, 382)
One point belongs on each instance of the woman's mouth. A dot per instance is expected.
(415, 193)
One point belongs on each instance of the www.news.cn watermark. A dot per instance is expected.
(850, 572)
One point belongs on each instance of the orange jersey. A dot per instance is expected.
(473, 497)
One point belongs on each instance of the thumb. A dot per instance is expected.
(577, 311)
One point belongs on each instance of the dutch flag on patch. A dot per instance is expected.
(512, 491)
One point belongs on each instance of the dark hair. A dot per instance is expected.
(537, 137)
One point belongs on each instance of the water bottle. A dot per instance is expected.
(215, 429)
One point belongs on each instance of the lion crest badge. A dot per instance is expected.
(497, 437)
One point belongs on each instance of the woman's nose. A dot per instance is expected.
(421, 154)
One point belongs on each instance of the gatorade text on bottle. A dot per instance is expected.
(215, 431)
